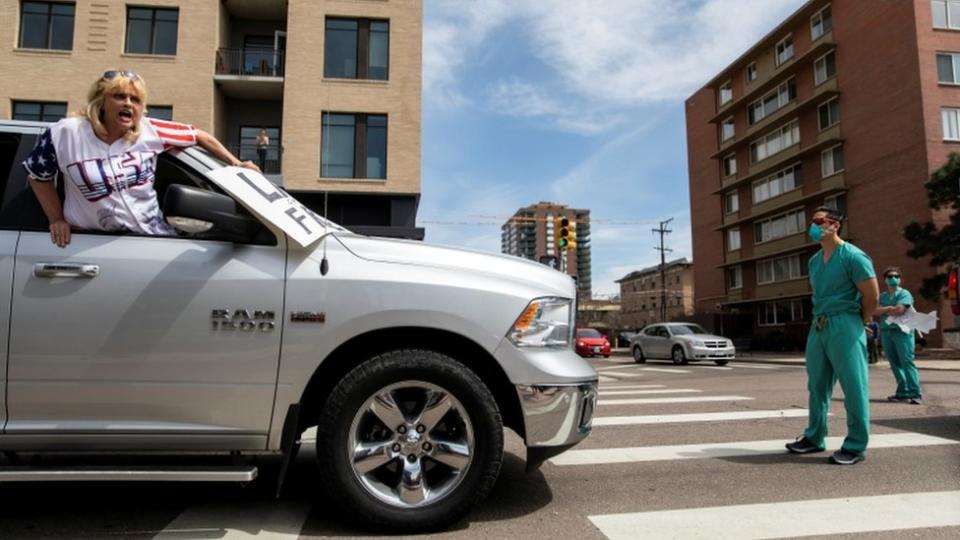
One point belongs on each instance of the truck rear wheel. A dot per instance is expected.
(409, 441)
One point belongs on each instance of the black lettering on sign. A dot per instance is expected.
(273, 195)
(298, 216)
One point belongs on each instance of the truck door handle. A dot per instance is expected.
(54, 270)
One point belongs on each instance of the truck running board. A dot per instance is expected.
(128, 474)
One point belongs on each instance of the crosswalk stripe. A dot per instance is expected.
(661, 391)
(666, 370)
(695, 417)
(619, 374)
(719, 368)
(790, 519)
(727, 449)
(604, 378)
(269, 520)
(604, 387)
(697, 399)
(611, 368)
(751, 366)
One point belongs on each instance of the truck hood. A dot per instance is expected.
(410, 252)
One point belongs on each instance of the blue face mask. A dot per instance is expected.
(815, 232)
(893, 281)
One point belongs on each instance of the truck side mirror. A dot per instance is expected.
(194, 211)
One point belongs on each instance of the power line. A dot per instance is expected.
(662, 230)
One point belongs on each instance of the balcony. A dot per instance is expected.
(251, 73)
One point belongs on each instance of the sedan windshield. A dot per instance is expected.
(687, 329)
(588, 333)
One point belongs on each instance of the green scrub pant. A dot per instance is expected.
(898, 346)
(838, 352)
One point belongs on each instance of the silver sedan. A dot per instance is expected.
(680, 342)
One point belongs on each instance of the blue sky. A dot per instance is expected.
(573, 101)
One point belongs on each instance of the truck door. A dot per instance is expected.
(174, 339)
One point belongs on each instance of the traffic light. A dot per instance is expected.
(566, 232)
(953, 289)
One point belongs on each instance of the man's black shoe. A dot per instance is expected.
(845, 457)
(803, 446)
(897, 399)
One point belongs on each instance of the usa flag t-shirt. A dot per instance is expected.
(108, 187)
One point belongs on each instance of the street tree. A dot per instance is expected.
(941, 244)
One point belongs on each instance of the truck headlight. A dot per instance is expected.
(545, 322)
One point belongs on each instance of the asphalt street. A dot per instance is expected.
(677, 451)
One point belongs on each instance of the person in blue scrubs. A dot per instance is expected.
(897, 344)
(844, 299)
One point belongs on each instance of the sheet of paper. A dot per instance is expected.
(914, 320)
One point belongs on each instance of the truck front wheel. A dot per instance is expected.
(409, 441)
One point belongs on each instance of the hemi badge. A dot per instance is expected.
(308, 316)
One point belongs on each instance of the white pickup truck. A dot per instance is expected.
(232, 339)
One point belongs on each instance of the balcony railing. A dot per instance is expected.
(258, 62)
(269, 165)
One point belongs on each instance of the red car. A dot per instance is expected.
(592, 343)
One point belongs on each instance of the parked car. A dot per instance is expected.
(591, 342)
(262, 319)
(680, 342)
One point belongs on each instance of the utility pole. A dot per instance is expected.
(662, 229)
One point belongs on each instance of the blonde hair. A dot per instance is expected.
(102, 88)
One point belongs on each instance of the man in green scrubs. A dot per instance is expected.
(897, 344)
(844, 298)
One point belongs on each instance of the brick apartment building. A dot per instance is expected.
(847, 103)
(530, 233)
(642, 293)
(336, 84)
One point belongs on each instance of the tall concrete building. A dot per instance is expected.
(531, 233)
(847, 103)
(336, 84)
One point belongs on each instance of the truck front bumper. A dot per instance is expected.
(555, 417)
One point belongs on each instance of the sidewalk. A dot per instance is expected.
(944, 359)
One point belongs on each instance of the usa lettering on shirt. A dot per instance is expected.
(108, 187)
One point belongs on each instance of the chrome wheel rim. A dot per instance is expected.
(678, 355)
(410, 444)
(637, 353)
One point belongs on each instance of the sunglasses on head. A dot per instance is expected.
(113, 74)
(822, 221)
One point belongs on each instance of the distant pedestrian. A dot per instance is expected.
(844, 298)
(263, 143)
(897, 344)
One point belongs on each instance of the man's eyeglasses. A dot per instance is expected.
(822, 221)
(113, 74)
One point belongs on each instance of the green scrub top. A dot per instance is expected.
(834, 284)
(900, 296)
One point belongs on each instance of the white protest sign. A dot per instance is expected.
(270, 202)
(913, 320)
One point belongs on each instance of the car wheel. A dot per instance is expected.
(721, 362)
(409, 441)
(638, 355)
(679, 358)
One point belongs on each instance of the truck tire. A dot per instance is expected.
(409, 441)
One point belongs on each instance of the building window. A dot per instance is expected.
(160, 112)
(837, 202)
(782, 312)
(152, 30)
(784, 50)
(951, 124)
(46, 25)
(354, 146)
(781, 269)
(831, 161)
(821, 23)
(825, 67)
(948, 68)
(734, 277)
(772, 102)
(778, 227)
(726, 93)
(752, 72)
(946, 13)
(731, 202)
(730, 165)
(357, 49)
(828, 114)
(777, 184)
(727, 129)
(733, 239)
(775, 142)
(39, 111)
